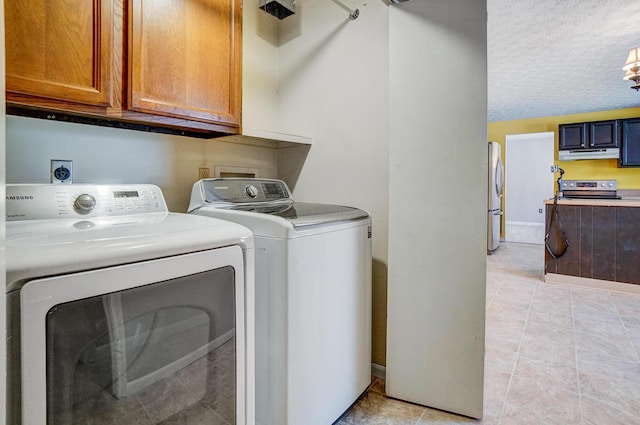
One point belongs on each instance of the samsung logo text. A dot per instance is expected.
(19, 197)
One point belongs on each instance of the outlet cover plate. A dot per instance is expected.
(204, 173)
(61, 171)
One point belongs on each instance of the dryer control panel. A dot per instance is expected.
(43, 201)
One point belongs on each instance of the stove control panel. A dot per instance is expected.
(45, 201)
(590, 185)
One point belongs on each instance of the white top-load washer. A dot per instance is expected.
(122, 312)
(313, 297)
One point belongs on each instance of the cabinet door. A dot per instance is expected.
(630, 155)
(185, 59)
(60, 49)
(604, 134)
(572, 136)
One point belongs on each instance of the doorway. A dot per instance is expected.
(528, 182)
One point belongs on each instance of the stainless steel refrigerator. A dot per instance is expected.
(496, 180)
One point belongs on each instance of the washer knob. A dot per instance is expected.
(251, 191)
(84, 204)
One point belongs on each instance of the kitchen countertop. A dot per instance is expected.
(626, 201)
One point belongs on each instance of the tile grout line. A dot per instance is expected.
(618, 358)
(575, 349)
(515, 364)
(421, 416)
(626, 331)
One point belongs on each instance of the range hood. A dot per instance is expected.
(571, 155)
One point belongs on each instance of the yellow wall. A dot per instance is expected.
(602, 169)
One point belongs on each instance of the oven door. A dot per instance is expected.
(150, 342)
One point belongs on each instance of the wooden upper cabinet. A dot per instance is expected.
(185, 59)
(60, 50)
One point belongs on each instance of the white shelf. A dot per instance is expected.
(270, 139)
(276, 137)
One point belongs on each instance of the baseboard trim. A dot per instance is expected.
(585, 282)
(524, 223)
(378, 371)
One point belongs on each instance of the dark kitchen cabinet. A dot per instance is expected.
(572, 136)
(147, 64)
(604, 134)
(589, 135)
(603, 243)
(630, 153)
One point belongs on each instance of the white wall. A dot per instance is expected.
(109, 155)
(259, 70)
(437, 203)
(333, 87)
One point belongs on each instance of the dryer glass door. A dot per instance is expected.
(154, 342)
(154, 352)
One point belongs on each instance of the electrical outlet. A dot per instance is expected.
(204, 173)
(61, 171)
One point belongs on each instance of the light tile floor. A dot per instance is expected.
(555, 354)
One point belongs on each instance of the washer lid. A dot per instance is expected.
(301, 214)
(265, 196)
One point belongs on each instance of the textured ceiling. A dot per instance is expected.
(557, 57)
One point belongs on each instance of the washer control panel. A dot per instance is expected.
(239, 190)
(251, 191)
(41, 201)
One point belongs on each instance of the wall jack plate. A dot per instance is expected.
(61, 171)
(204, 173)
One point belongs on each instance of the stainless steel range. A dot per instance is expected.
(590, 189)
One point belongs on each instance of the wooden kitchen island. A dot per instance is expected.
(604, 244)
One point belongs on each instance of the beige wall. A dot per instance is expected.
(604, 169)
(437, 204)
(332, 86)
(628, 178)
(108, 155)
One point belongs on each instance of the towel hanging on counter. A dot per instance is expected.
(555, 240)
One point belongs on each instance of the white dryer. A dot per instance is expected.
(313, 297)
(121, 312)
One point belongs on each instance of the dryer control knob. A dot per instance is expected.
(84, 204)
(251, 191)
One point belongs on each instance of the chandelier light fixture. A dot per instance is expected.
(632, 66)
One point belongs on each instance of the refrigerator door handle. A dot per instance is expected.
(499, 177)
